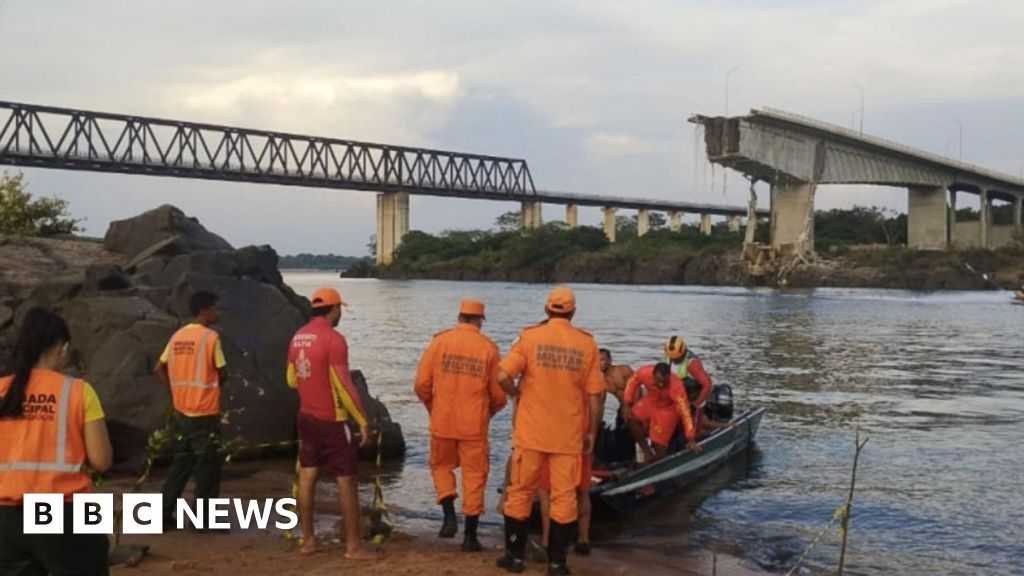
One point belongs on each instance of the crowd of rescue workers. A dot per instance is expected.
(54, 431)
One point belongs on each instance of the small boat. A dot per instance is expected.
(626, 490)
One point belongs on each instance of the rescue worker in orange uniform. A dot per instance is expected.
(328, 401)
(457, 381)
(193, 368)
(659, 412)
(561, 385)
(51, 427)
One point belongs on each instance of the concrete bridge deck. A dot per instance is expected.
(795, 154)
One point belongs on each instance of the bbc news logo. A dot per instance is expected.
(144, 514)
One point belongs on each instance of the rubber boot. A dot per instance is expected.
(558, 544)
(450, 526)
(515, 545)
(469, 541)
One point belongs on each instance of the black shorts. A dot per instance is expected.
(327, 445)
(41, 554)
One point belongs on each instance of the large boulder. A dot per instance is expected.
(124, 297)
(166, 227)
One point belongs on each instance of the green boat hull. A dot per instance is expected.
(644, 487)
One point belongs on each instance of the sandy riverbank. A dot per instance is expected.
(412, 550)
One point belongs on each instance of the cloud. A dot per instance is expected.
(594, 94)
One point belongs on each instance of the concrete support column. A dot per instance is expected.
(927, 218)
(1018, 207)
(571, 218)
(705, 224)
(951, 237)
(734, 223)
(609, 223)
(792, 212)
(985, 219)
(643, 222)
(530, 215)
(392, 224)
(675, 221)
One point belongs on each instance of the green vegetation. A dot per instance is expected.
(858, 226)
(21, 215)
(543, 249)
(319, 262)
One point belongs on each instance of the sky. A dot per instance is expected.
(594, 94)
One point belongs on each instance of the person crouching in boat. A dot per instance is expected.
(656, 415)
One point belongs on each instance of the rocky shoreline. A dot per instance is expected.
(123, 298)
(886, 269)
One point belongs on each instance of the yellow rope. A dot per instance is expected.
(836, 516)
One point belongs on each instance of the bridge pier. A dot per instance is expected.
(927, 218)
(643, 222)
(571, 216)
(792, 213)
(705, 224)
(675, 221)
(531, 217)
(392, 224)
(1018, 207)
(609, 223)
(985, 219)
(734, 223)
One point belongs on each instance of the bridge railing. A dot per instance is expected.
(52, 137)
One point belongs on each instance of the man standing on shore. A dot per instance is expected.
(560, 389)
(328, 401)
(193, 368)
(457, 381)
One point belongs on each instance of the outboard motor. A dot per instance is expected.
(719, 404)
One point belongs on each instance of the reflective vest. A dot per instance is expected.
(683, 372)
(195, 386)
(43, 450)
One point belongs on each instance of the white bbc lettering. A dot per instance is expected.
(43, 514)
(182, 509)
(253, 511)
(217, 508)
(92, 514)
(286, 507)
(142, 513)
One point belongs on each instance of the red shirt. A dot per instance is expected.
(318, 368)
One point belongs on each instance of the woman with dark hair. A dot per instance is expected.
(51, 426)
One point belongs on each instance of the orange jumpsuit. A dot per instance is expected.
(560, 367)
(457, 381)
(660, 409)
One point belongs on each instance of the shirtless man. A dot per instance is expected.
(615, 377)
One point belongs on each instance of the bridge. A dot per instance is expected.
(795, 154)
(69, 139)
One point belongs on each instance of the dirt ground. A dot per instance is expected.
(263, 554)
(411, 550)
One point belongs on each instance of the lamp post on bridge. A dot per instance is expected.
(727, 75)
(961, 136)
(861, 88)
(725, 171)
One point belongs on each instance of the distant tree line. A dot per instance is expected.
(319, 261)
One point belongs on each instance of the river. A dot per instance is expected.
(933, 380)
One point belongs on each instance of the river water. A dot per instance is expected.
(934, 381)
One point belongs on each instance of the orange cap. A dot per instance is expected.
(561, 299)
(326, 297)
(472, 308)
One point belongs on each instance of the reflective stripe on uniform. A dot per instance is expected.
(197, 377)
(60, 454)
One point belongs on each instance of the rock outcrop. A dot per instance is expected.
(125, 297)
